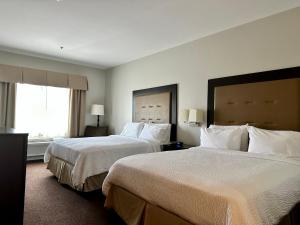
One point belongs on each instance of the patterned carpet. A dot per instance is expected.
(49, 203)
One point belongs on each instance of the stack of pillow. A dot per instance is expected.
(285, 143)
(152, 132)
(242, 138)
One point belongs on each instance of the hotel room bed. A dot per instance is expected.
(203, 186)
(82, 163)
(220, 187)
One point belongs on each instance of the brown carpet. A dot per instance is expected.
(47, 202)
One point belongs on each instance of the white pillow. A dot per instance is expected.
(156, 132)
(274, 142)
(245, 135)
(132, 130)
(221, 138)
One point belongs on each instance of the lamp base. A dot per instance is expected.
(98, 118)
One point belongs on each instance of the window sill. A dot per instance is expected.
(44, 142)
(40, 139)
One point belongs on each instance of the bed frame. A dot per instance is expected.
(156, 105)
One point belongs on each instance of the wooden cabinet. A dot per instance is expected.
(91, 131)
(13, 152)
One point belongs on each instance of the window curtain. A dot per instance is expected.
(7, 104)
(77, 113)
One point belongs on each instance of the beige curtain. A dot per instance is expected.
(77, 113)
(7, 104)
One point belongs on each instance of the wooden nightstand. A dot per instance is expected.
(174, 146)
(91, 131)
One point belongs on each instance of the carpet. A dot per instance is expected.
(49, 203)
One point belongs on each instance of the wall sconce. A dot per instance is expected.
(192, 117)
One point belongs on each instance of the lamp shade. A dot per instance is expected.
(195, 116)
(97, 110)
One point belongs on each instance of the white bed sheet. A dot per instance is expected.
(213, 187)
(94, 155)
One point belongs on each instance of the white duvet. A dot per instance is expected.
(212, 187)
(95, 155)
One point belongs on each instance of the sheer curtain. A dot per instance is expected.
(7, 104)
(42, 111)
(77, 113)
(50, 112)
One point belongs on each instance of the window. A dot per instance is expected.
(42, 111)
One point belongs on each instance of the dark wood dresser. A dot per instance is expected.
(13, 152)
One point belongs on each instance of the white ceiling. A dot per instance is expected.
(106, 33)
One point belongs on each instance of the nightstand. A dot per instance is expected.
(174, 146)
(91, 131)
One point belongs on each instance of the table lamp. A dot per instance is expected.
(97, 110)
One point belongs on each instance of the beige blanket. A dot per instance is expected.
(212, 187)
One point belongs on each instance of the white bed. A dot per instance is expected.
(222, 187)
(206, 186)
(95, 155)
(83, 163)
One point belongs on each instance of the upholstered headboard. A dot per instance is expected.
(156, 105)
(268, 100)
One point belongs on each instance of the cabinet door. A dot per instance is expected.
(12, 174)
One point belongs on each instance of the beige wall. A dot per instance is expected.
(266, 44)
(96, 77)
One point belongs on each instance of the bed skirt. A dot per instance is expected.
(63, 172)
(136, 211)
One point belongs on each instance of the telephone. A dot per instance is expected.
(175, 144)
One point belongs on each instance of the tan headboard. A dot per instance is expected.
(156, 105)
(153, 108)
(269, 100)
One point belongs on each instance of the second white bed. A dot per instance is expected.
(95, 155)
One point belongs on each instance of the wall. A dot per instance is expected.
(269, 43)
(96, 81)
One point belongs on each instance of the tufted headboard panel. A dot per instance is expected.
(156, 105)
(153, 108)
(269, 100)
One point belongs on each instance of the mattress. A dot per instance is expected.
(205, 186)
(95, 155)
